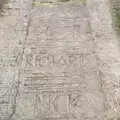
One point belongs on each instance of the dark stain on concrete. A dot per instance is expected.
(64, 0)
(115, 12)
(2, 3)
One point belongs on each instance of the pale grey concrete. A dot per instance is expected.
(59, 61)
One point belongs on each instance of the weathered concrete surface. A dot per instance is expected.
(59, 61)
(108, 51)
(12, 36)
(107, 48)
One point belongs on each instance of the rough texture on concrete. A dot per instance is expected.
(59, 60)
